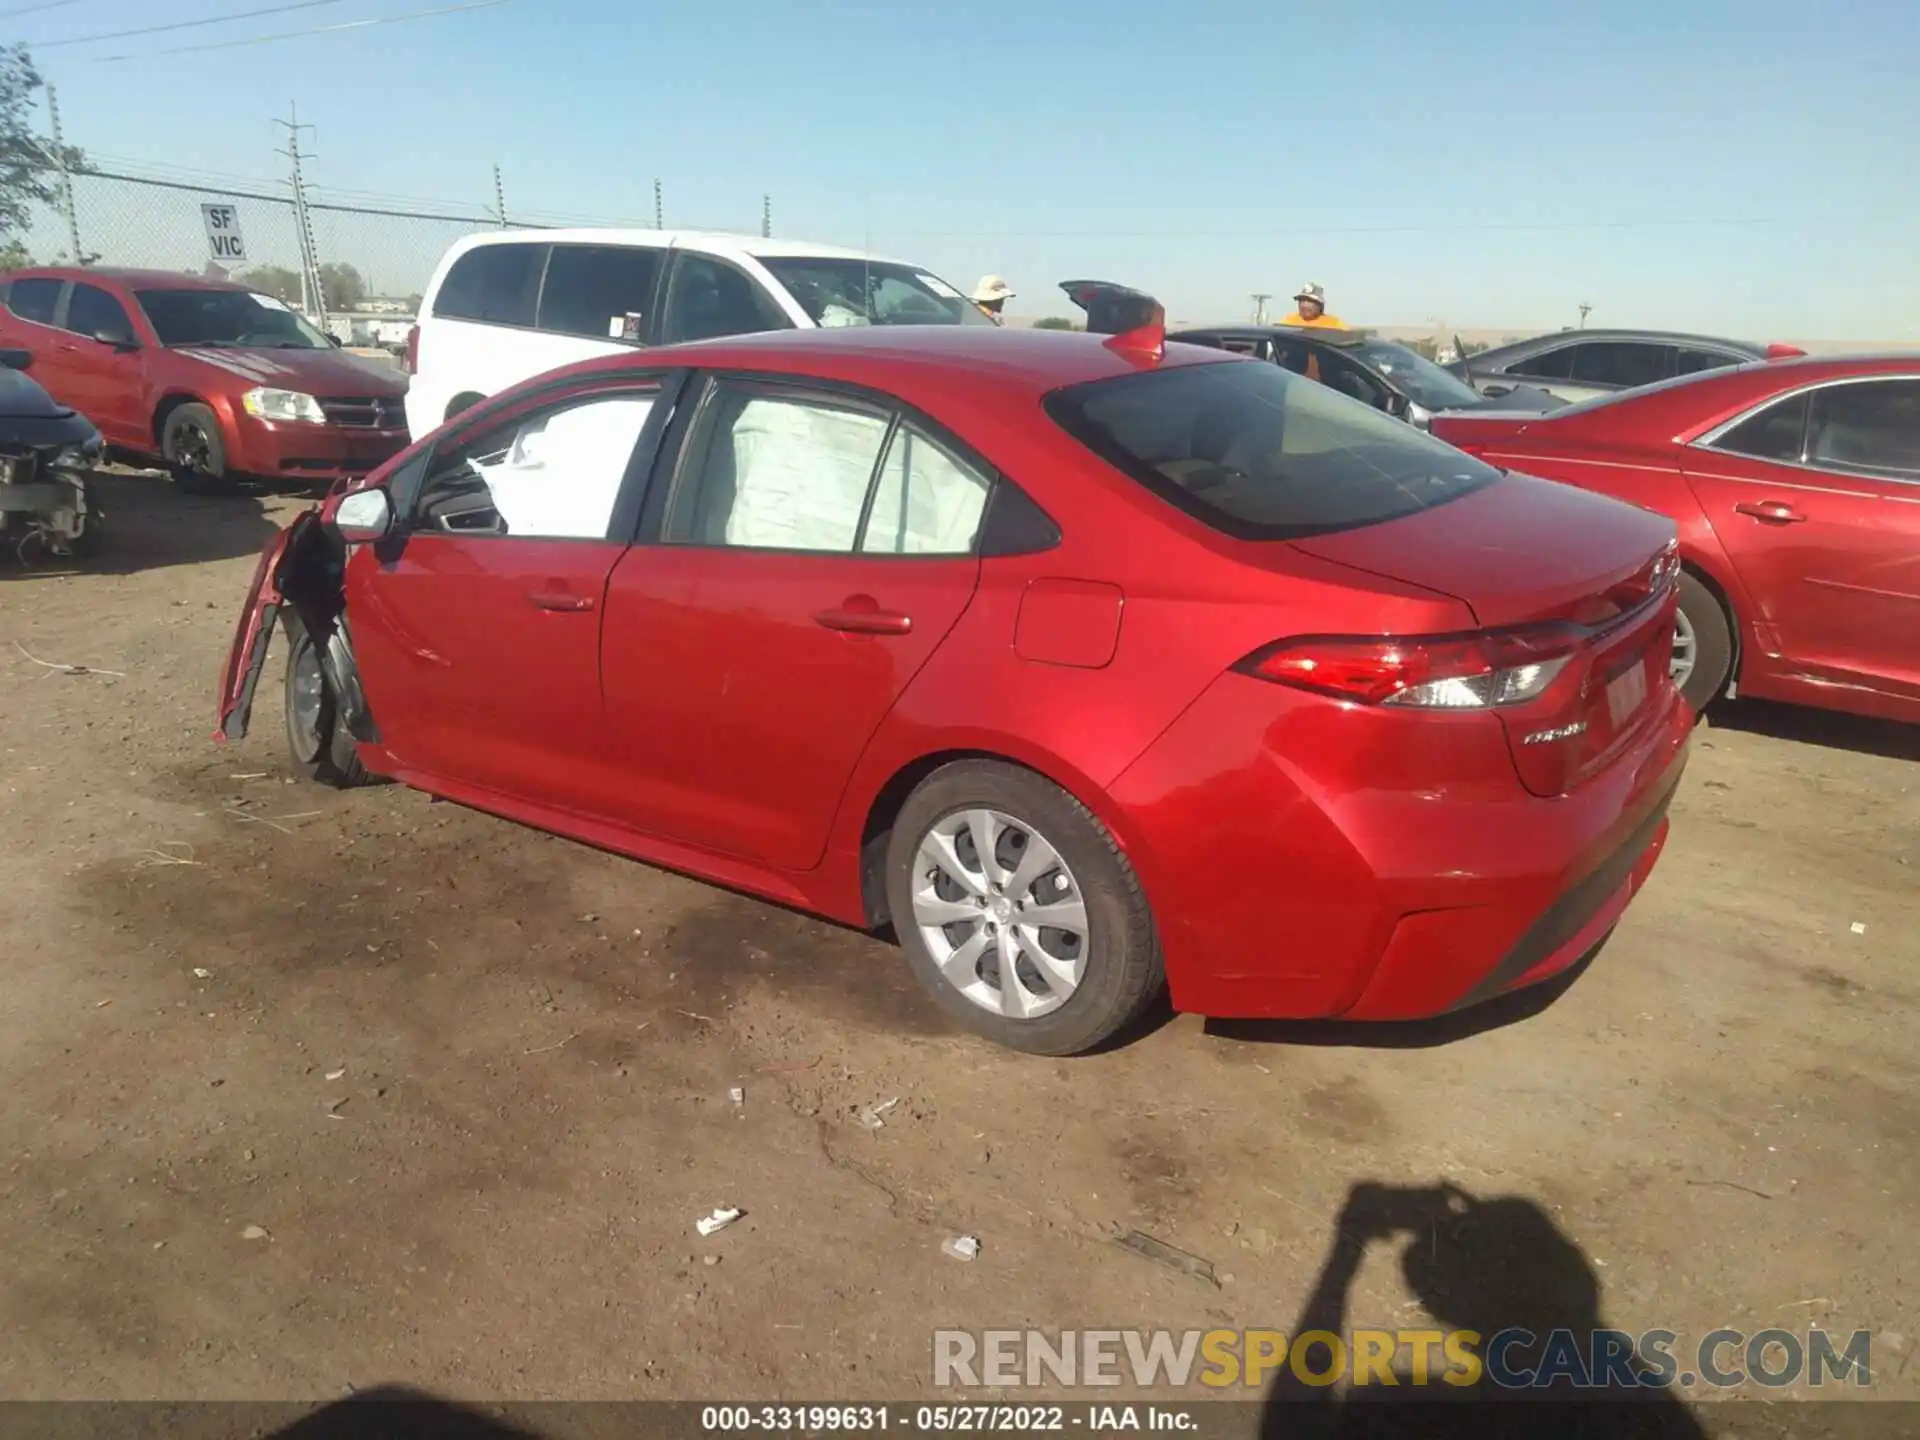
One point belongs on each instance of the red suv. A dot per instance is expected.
(218, 381)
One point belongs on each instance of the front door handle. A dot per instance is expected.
(862, 615)
(1774, 512)
(560, 600)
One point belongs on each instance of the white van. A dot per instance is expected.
(508, 305)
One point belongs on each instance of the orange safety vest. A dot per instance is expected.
(1324, 322)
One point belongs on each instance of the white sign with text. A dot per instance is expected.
(223, 234)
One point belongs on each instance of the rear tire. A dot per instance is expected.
(1703, 644)
(972, 927)
(196, 455)
(321, 747)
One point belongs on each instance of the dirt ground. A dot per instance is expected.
(471, 1081)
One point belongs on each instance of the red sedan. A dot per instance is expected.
(1091, 665)
(1796, 488)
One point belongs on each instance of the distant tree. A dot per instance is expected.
(275, 280)
(342, 286)
(1055, 322)
(29, 173)
(15, 256)
(414, 302)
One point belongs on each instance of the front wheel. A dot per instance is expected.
(1702, 645)
(321, 746)
(195, 452)
(1018, 912)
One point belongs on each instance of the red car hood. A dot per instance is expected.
(312, 372)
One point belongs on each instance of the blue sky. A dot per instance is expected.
(1745, 168)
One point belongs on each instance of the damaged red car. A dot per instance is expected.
(1095, 667)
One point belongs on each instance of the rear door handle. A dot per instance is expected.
(1774, 512)
(862, 615)
(559, 600)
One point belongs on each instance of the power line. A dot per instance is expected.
(33, 9)
(301, 34)
(1287, 228)
(186, 24)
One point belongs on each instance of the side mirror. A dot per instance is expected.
(117, 340)
(1397, 405)
(16, 359)
(364, 517)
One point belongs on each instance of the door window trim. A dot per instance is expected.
(665, 384)
(1708, 441)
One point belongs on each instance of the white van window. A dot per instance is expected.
(495, 284)
(840, 291)
(708, 298)
(590, 290)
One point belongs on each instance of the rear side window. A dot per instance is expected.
(493, 283)
(1619, 362)
(594, 289)
(1776, 433)
(1693, 362)
(34, 299)
(1260, 454)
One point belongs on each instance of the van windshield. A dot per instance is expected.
(838, 292)
(227, 317)
(1262, 454)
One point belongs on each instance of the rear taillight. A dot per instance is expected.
(1481, 671)
(413, 350)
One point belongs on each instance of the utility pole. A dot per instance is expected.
(499, 199)
(766, 217)
(1585, 310)
(659, 209)
(313, 298)
(1260, 298)
(66, 179)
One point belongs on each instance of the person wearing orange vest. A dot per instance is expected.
(1310, 310)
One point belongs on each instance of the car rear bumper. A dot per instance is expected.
(1345, 865)
(311, 452)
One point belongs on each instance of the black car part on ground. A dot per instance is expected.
(47, 454)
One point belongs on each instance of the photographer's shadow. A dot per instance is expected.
(1486, 1265)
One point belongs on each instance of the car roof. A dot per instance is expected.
(718, 242)
(126, 275)
(1655, 337)
(920, 361)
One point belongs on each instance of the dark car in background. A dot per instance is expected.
(1383, 373)
(1575, 365)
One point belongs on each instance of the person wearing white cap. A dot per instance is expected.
(1310, 310)
(991, 295)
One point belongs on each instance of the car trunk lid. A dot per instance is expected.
(1551, 573)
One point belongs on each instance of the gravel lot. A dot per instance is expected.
(471, 1081)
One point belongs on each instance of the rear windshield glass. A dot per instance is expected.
(837, 292)
(1262, 454)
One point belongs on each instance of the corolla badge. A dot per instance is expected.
(1563, 732)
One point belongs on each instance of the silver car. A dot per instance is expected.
(1586, 364)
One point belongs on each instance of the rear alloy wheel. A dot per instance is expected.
(196, 456)
(1018, 912)
(1702, 645)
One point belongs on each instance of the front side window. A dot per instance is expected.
(34, 299)
(1554, 364)
(603, 291)
(494, 284)
(1867, 425)
(1261, 454)
(1623, 363)
(554, 474)
(708, 299)
(1424, 382)
(91, 311)
(1777, 433)
(843, 291)
(236, 318)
